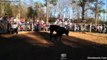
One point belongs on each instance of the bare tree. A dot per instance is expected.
(47, 11)
(54, 2)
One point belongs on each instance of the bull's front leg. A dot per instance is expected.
(51, 32)
(59, 36)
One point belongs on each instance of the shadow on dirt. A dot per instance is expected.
(19, 47)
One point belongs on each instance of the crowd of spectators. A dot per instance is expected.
(82, 27)
(11, 23)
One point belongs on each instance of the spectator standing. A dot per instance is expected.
(15, 28)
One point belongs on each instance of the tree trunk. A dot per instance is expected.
(106, 12)
(83, 11)
(0, 8)
(96, 12)
(54, 11)
(47, 11)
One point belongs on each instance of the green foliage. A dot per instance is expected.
(4, 7)
(54, 2)
(30, 12)
(39, 12)
(7, 8)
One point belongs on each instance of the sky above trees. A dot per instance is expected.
(66, 5)
(63, 7)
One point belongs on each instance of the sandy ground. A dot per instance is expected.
(88, 36)
(94, 37)
(37, 46)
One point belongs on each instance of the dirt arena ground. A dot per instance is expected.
(38, 46)
(93, 37)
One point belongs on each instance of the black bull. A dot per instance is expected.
(59, 31)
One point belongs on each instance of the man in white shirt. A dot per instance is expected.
(1, 18)
(15, 28)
